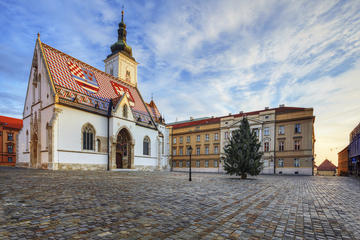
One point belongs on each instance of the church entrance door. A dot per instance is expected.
(123, 149)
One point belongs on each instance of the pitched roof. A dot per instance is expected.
(63, 69)
(326, 165)
(277, 110)
(154, 111)
(196, 122)
(11, 122)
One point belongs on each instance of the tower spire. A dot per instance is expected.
(121, 45)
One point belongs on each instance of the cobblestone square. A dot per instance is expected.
(40, 204)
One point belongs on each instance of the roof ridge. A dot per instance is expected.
(91, 67)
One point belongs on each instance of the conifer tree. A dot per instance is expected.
(242, 155)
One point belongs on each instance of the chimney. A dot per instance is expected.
(241, 112)
(191, 118)
(266, 108)
(282, 105)
(229, 114)
(212, 116)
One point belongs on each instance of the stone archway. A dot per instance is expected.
(124, 150)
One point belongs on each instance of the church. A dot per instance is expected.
(79, 117)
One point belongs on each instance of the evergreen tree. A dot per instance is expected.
(242, 154)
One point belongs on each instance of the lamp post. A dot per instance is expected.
(190, 151)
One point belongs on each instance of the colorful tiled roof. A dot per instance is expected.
(102, 87)
(326, 165)
(11, 122)
(154, 111)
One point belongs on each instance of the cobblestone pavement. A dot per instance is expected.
(40, 204)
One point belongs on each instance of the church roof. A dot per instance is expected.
(154, 111)
(326, 165)
(78, 83)
(10, 122)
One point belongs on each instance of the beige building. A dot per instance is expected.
(263, 124)
(203, 135)
(294, 141)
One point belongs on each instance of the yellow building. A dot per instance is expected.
(203, 135)
(294, 141)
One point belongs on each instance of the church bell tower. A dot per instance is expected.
(121, 63)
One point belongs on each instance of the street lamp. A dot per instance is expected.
(190, 151)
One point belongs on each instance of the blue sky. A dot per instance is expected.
(204, 58)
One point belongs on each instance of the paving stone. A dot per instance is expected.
(40, 204)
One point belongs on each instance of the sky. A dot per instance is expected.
(205, 58)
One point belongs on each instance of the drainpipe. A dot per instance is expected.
(275, 144)
(108, 134)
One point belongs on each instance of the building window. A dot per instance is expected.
(187, 151)
(181, 139)
(206, 163)
(0, 133)
(206, 149)
(281, 162)
(181, 151)
(112, 71)
(188, 139)
(216, 136)
(267, 117)
(296, 162)
(256, 131)
(197, 150)
(198, 138)
(180, 163)
(146, 146)
(207, 137)
(10, 136)
(174, 164)
(297, 128)
(174, 151)
(174, 140)
(266, 146)
(215, 163)
(125, 111)
(266, 131)
(281, 130)
(297, 145)
(216, 149)
(10, 148)
(127, 75)
(226, 135)
(281, 146)
(10, 159)
(197, 163)
(187, 163)
(98, 144)
(88, 137)
(27, 141)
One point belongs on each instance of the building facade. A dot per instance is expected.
(78, 117)
(354, 151)
(203, 135)
(9, 130)
(295, 141)
(286, 135)
(263, 124)
(326, 168)
(343, 162)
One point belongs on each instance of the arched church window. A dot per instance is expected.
(27, 141)
(125, 111)
(98, 144)
(127, 75)
(88, 134)
(146, 146)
